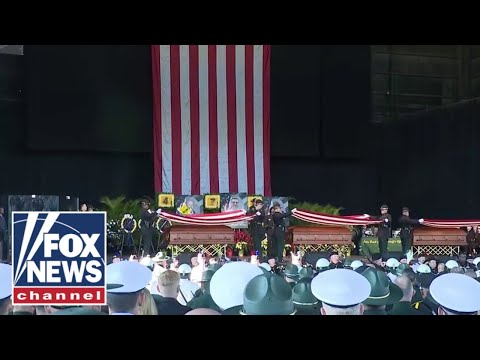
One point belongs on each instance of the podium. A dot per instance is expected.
(438, 241)
(320, 239)
(212, 240)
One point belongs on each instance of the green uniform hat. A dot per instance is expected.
(214, 267)
(207, 275)
(291, 271)
(268, 294)
(383, 291)
(306, 272)
(400, 269)
(303, 299)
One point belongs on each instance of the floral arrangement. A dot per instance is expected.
(242, 240)
(114, 231)
(128, 223)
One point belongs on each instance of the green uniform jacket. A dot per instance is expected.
(404, 308)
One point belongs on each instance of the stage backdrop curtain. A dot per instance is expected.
(211, 118)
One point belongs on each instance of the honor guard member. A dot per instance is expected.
(228, 284)
(257, 228)
(303, 299)
(202, 298)
(456, 294)
(322, 265)
(341, 292)
(291, 274)
(126, 281)
(384, 230)
(5, 288)
(404, 306)
(357, 234)
(383, 292)
(406, 227)
(464, 264)
(267, 294)
(148, 219)
(426, 306)
(187, 288)
(277, 235)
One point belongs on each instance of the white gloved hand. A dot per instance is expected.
(386, 220)
(159, 211)
(366, 215)
(421, 221)
(258, 213)
(150, 211)
(294, 210)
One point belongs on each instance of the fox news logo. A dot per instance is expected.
(59, 258)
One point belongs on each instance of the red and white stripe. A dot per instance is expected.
(211, 118)
(226, 218)
(446, 224)
(333, 220)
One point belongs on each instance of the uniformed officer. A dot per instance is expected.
(432, 263)
(341, 292)
(5, 288)
(335, 262)
(322, 265)
(291, 274)
(187, 288)
(267, 294)
(450, 264)
(357, 234)
(423, 269)
(126, 281)
(356, 264)
(392, 264)
(303, 299)
(456, 294)
(277, 234)
(426, 306)
(400, 269)
(404, 306)
(203, 298)
(383, 291)
(228, 284)
(406, 225)
(384, 230)
(148, 219)
(257, 227)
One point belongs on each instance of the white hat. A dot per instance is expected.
(424, 269)
(160, 257)
(476, 261)
(147, 261)
(127, 277)
(266, 266)
(229, 282)
(456, 292)
(356, 264)
(392, 263)
(184, 269)
(5, 280)
(322, 263)
(450, 264)
(341, 287)
(157, 270)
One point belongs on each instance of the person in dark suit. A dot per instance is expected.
(384, 231)
(148, 219)
(169, 286)
(256, 226)
(406, 225)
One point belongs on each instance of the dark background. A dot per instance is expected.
(77, 120)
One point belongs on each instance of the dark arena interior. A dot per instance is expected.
(259, 161)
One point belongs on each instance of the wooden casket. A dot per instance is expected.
(321, 238)
(438, 241)
(213, 240)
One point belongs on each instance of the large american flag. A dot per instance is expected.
(211, 118)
